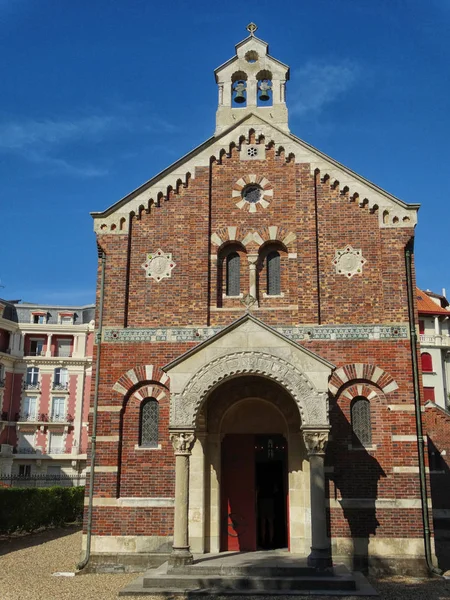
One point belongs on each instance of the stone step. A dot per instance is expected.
(256, 571)
(237, 584)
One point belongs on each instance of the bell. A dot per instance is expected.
(264, 88)
(239, 89)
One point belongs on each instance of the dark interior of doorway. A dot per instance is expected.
(271, 491)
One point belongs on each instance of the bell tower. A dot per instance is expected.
(252, 82)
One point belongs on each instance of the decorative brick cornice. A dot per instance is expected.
(358, 373)
(140, 374)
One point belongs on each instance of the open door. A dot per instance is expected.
(238, 510)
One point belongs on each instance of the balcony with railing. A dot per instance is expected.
(434, 340)
(60, 387)
(29, 417)
(26, 450)
(60, 419)
(32, 385)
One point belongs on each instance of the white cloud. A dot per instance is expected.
(43, 141)
(318, 84)
(15, 136)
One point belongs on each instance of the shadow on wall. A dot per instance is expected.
(353, 482)
(440, 498)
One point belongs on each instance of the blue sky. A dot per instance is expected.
(98, 96)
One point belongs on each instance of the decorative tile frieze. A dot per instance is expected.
(301, 333)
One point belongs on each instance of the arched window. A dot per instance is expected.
(148, 430)
(273, 274)
(361, 424)
(427, 363)
(233, 274)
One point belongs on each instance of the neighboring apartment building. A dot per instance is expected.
(45, 377)
(434, 325)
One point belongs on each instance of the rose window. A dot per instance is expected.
(252, 192)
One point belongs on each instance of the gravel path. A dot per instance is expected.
(27, 564)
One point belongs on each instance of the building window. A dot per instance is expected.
(32, 380)
(233, 274)
(26, 443)
(24, 470)
(65, 318)
(58, 410)
(273, 274)
(421, 326)
(361, 423)
(427, 363)
(39, 318)
(149, 422)
(428, 394)
(36, 347)
(63, 348)
(60, 379)
(29, 409)
(56, 443)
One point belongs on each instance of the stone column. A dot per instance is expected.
(320, 556)
(252, 259)
(49, 345)
(182, 442)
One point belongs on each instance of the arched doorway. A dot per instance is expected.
(256, 485)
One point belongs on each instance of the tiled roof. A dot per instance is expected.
(426, 305)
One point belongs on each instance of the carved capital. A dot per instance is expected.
(182, 442)
(315, 441)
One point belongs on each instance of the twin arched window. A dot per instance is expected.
(149, 423)
(361, 422)
(232, 265)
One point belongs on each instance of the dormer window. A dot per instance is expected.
(65, 318)
(39, 318)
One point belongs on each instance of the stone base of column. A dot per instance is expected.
(180, 557)
(320, 558)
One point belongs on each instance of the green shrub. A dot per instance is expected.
(27, 509)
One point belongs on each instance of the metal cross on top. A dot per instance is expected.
(251, 27)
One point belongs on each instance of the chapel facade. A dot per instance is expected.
(254, 373)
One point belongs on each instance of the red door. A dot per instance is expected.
(238, 514)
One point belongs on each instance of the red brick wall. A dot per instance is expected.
(314, 293)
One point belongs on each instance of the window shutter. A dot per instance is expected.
(233, 274)
(427, 362)
(361, 423)
(273, 274)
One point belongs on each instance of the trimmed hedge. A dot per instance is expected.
(27, 509)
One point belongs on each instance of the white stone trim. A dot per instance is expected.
(406, 438)
(394, 503)
(132, 502)
(378, 546)
(103, 469)
(107, 438)
(403, 469)
(128, 544)
(144, 448)
(106, 408)
(404, 407)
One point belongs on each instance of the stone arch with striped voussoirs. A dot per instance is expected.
(129, 382)
(353, 375)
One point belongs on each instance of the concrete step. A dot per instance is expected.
(248, 580)
(249, 583)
